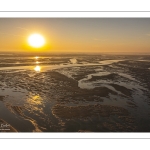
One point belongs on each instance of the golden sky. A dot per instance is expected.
(77, 34)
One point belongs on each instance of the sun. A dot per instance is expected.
(36, 40)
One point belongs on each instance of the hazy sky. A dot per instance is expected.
(77, 34)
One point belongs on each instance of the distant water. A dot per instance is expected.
(73, 61)
(29, 63)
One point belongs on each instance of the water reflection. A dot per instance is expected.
(37, 62)
(35, 100)
(34, 106)
(37, 68)
(35, 103)
(36, 57)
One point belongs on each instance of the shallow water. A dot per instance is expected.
(108, 62)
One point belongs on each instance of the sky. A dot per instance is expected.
(114, 35)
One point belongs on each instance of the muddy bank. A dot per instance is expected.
(2, 98)
(122, 89)
(88, 111)
(98, 117)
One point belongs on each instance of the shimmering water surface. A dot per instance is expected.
(75, 93)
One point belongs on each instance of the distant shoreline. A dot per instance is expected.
(69, 53)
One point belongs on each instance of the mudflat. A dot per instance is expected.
(70, 93)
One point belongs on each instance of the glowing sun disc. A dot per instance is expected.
(36, 40)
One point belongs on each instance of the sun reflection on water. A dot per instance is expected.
(37, 68)
(36, 57)
(35, 99)
(36, 103)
